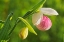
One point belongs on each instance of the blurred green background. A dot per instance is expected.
(20, 7)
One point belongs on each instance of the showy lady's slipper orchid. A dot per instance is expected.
(43, 22)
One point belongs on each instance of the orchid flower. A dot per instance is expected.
(41, 21)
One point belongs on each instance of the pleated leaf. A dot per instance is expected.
(5, 29)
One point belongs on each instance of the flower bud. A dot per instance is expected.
(23, 33)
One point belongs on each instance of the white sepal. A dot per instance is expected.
(48, 11)
(36, 18)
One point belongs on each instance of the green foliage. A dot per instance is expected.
(4, 32)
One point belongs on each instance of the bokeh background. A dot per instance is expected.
(20, 7)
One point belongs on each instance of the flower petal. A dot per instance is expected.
(48, 11)
(36, 18)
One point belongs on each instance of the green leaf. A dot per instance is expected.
(35, 8)
(38, 6)
(6, 28)
(28, 25)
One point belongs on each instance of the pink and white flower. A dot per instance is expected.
(41, 21)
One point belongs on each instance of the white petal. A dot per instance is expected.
(48, 11)
(36, 18)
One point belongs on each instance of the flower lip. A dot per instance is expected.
(48, 11)
(45, 23)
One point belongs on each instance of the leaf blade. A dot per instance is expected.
(35, 8)
(5, 29)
